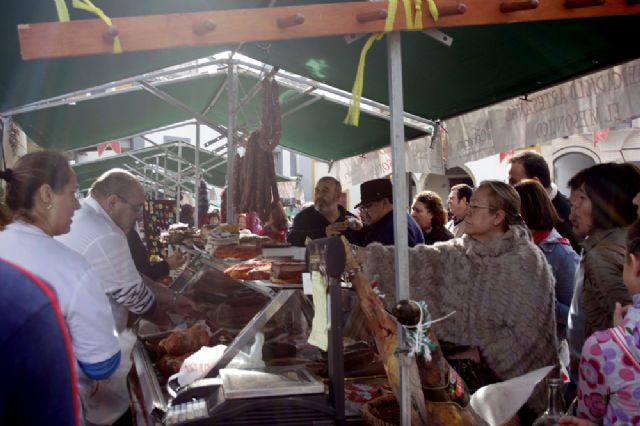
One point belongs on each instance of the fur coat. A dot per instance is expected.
(502, 292)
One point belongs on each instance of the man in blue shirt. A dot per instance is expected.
(37, 365)
(376, 203)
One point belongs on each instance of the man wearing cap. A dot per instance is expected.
(377, 211)
(326, 218)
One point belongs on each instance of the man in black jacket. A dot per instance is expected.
(376, 201)
(530, 165)
(326, 218)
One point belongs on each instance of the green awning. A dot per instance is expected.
(317, 130)
(484, 65)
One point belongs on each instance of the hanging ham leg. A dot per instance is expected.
(384, 329)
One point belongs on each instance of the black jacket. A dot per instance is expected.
(153, 270)
(382, 232)
(564, 227)
(311, 223)
(436, 235)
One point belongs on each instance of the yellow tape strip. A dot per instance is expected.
(63, 12)
(353, 115)
(433, 9)
(417, 25)
(391, 16)
(407, 14)
(91, 8)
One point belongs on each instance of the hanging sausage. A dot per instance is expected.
(255, 186)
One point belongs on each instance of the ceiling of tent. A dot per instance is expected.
(88, 172)
(317, 130)
(484, 65)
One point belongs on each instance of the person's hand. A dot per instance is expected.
(354, 223)
(183, 305)
(576, 421)
(336, 228)
(619, 313)
(176, 260)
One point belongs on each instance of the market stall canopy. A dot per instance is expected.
(142, 162)
(311, 123)
(484, 65)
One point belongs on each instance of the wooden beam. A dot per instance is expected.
(152, 32)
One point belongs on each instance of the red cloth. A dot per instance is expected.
(274, 234)
(539, 236)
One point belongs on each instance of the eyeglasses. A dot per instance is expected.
(368, 205)
(475, 207)
(136, 208)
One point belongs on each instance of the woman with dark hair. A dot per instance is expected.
(609, 388)
(541, 218)
(601, 210)
(41, 196)
(495, 279)
(428, 211)
(277, 226)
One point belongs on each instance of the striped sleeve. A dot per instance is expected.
(138, 298)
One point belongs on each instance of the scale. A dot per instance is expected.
(254, 397)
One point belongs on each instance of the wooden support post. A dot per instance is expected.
(373, 15)
(291, 20)
(204, 27)
(458, 9)
(77, 38)
(507, 7)
(110, 34)
(572, 4)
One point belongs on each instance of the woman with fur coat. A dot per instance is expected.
(497, 282)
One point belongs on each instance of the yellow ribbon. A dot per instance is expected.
(417, 25)
(91, 8)
(353, 115)
(433, 9)
(63, 12)
(407, 14)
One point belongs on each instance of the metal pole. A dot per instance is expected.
(197, 177)
(398, 160)
(232, 92)
(155, 194)
(179, 184)
(164, 179)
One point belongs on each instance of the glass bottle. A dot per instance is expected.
(555, 404)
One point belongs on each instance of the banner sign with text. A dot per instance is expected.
(587, 104)
(422, 156)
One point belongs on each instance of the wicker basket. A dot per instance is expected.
(384, 411)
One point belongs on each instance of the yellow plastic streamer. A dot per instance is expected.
(63, 12)
(417, 25)
(353, 115)
(407, 14)
(91, 8)
(433, 9)
(391, 15)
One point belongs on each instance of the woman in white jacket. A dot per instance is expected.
(41, 194)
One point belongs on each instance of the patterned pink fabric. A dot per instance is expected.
(609, 388)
